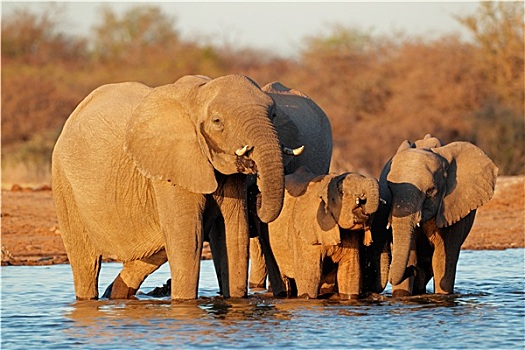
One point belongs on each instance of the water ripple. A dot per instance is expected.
(487, 312)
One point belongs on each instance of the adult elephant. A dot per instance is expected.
(301, 125)
(433, 192)
(136, 169)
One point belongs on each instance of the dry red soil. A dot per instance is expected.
(30, 233)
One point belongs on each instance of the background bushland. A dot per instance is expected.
(376, 90)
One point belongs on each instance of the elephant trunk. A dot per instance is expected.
(371, 190)
(402, 235)
(270, 171)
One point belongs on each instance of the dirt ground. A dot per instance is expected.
(30, 234)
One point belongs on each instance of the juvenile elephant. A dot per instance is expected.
(324, 217)
(305, 130)
(376, 257)
(432, 193)
(139, 169)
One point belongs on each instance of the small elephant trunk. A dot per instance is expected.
(371, 189)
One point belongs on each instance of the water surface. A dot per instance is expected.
(39, 311)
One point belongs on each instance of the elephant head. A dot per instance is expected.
(303, 129)
(442, 183)
(331, 202)
(187, 131)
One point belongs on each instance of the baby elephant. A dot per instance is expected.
(324, 221)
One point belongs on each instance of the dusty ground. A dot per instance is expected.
(30, 234)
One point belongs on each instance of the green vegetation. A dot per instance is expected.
(377, 91)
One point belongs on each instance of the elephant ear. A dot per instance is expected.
(404, 146)
(312, 219)
(428, 141)
(163, 140)
(285, 99)
(470, 182)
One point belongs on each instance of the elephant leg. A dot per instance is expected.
(385, 259)
(328, 284)
(258, 271)
(349, 271)
(83, 258)
(85, 264)
(180, 215)
(276, 281)
(308, 267)
(214, 233)
(447, 247)
(274, 275)
(424, 272)
(218, 249)
(405, 288)
(128, 281)
(375, 264)
(234, 261)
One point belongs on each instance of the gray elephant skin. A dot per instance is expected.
(139, 169)
(323, 220)
(432, 193)
(300, 123)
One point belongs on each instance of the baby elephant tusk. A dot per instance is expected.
(293, 152)
(382, 200)
(387, 226)
(242, 151)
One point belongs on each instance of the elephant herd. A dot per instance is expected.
(145, 175)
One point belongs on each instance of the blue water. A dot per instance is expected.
(39, 311)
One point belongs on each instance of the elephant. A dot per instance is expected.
(305, 135)
(377, 256)
(324, 221)
(301, 125)
(139, 172)
(432, 192)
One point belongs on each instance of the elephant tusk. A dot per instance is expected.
(357, 200)
(242, 151)
(418, 224)
(293, 152)
(387, 226)
(298, 151)
(382, 201)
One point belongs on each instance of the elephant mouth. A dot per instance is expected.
(360, 218)
(243, 163)
(246, 165)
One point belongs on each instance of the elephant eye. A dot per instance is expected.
(431, 192)
(217, 122)
(340, 188)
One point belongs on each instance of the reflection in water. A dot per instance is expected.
(190, 320)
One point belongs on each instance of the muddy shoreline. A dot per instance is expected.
(30, 234)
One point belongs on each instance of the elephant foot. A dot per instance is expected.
(252, 285)
(84, 299)
(118, 289)
(306, 296)
(164, 291)
(399, 293)
(344, 296)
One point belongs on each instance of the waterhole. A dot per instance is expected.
(39, 311)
